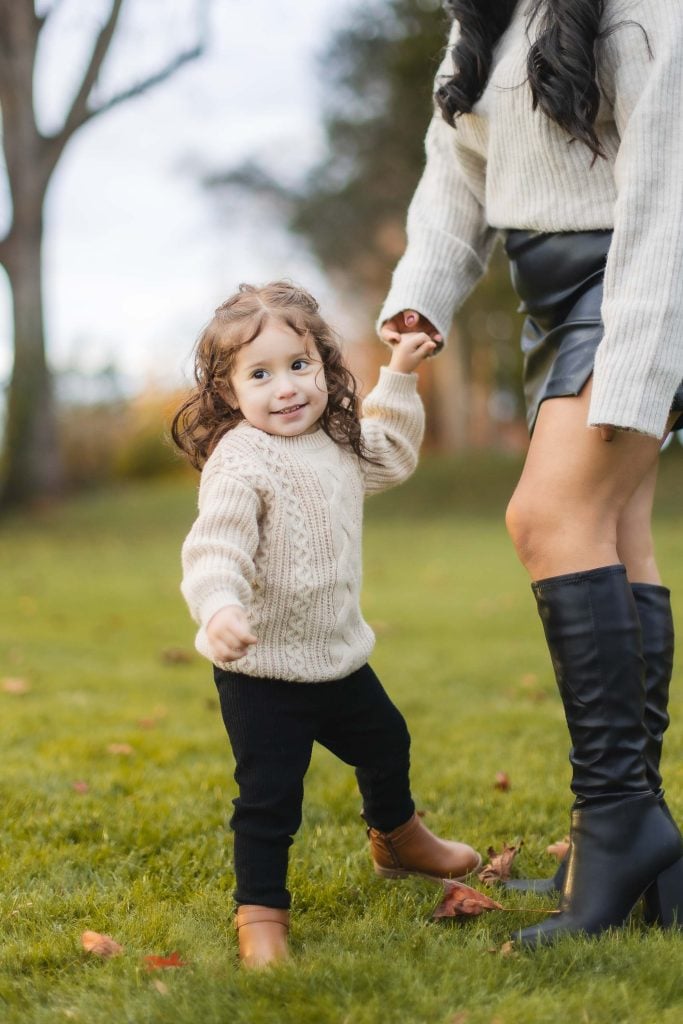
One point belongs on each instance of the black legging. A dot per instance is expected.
(272, 725)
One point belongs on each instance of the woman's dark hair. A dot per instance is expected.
(208, 412)
(561, 64)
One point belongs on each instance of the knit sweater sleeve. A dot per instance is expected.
(448, 239)
(217, 555)
(392, 427)
(639, 362)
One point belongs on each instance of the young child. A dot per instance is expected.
(272, 574)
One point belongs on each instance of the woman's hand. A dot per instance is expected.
(410, 350)
(409, 322)
(229, 634)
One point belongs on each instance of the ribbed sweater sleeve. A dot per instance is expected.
(392, 426)
(448, 239)
(217, 555)
(639, 363)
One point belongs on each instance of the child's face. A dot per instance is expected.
(279, 382)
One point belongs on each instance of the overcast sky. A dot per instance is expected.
(136, 255)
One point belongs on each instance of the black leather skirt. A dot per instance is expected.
(558, 278)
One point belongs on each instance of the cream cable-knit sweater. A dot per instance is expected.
(279, 532)
(508, 166)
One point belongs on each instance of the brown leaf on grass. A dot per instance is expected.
(100, 945)
(498, 868)
(15, 686)
(80, 786)
(162, 963)
(160, 986)
(123, 749)
(177, 656)
(508, 949)
(502, 782)
(462, 900)
(559, 849)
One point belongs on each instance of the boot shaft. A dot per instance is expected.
(593, 633)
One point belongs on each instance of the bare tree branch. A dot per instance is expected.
(78, 114)
(147, 83)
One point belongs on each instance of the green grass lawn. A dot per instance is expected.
(90, 617)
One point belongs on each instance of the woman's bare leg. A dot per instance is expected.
(579, 497)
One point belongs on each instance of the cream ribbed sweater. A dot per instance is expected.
(508, 166)
(279, 532)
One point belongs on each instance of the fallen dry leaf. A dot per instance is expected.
(462, 900)
(177, 656)
(160, 986)
(558, 849)
(100, 945)
(15, 686)
(161, 963)
(508, 949)
(79, 786)
(124, 749)
(498, 868)
(502, 782)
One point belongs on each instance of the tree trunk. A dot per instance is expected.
(32, 464)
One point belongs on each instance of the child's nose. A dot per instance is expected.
(286, 387)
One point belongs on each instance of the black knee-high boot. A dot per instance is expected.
(653, 604)
(621, 841)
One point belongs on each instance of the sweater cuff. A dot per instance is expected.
(213, 604)
(390, 382)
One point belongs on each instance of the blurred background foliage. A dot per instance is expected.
(348, 210)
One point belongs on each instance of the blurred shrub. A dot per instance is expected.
(119, 439)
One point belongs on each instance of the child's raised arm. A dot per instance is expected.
(393, 416)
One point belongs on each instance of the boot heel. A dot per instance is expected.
(664, 898)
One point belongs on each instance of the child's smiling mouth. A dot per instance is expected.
(289, 409)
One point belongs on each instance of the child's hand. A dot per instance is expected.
(229, 634)
(410, 350)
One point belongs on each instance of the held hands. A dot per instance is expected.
(406, 322)
(229, 634)
(410, 350)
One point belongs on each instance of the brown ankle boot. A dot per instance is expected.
(262, 933)
(411, 849)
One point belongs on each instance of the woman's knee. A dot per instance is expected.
(528, 525)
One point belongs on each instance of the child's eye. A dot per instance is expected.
(300, 364)
(259, 374)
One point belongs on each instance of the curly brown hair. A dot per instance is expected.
(206, 415)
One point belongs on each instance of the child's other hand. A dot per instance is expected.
(410, 350)
(229, 634)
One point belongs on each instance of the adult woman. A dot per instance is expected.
(560, 127)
